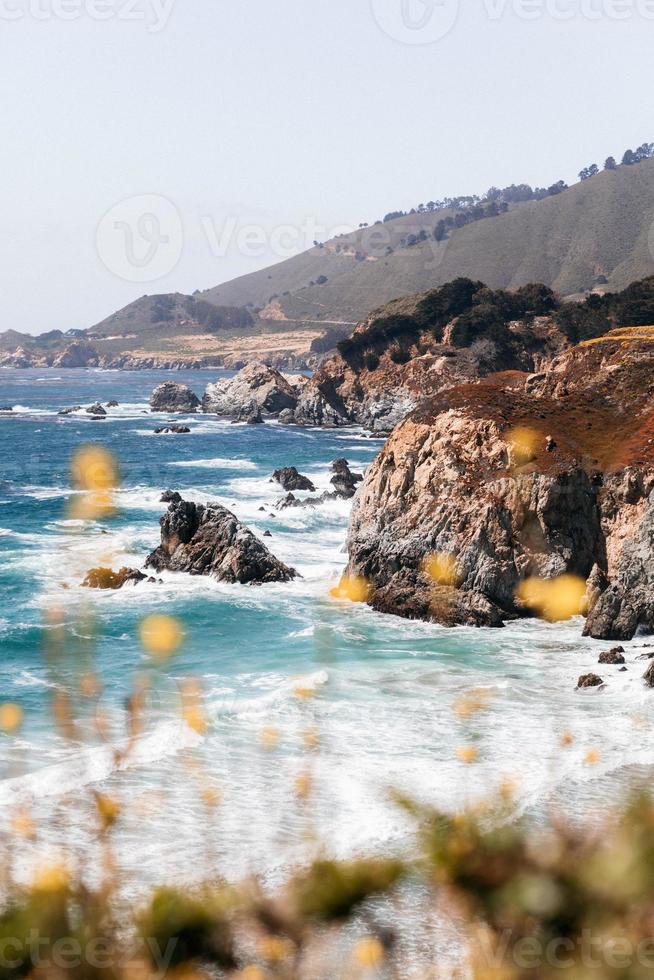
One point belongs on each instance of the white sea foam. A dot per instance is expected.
(219, 462)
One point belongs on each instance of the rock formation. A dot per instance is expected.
(290, 479)
(172, 430)
(173, 397)
(256, 387)
(210, 540)
(449, 482)
(106, 578)
(589, 680)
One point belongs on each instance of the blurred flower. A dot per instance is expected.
(94, 468)
(89, 685)
(92, 506)
(275, 949)
(303, 785)
(310, 738)
(352, 587)
(161, 635)
(51, 878)
(567, 739)
(11, 717)
(22, 825)
(471, 702)
(192, 707)
(553, 599)
(269, 738)
(300, 691)
(523, 444)
(108, 809)
(441, 568)
(467, 753)
(592, 757)
(252, 973)
(368, 953)
(210, 797)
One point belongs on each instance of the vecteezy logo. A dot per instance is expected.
(141, 238)
(416, 21)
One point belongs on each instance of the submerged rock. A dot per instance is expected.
(290, 479)
(112, 404)
(106, 578)
(589, 680)
(173, 397)
(614, 656)
(69, 411)
(257, 388)
(210, 540)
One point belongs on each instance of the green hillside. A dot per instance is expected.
(597, 229)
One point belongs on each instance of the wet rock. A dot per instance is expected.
(614, 656)
(648, 676)
(173, 397)
(112, 404)
(106, 578)
(589, 680)
(7, 408)
(290, 479)
(210, 540)
(172, 430)
(344, 480)
(170, 497)
(267, 534)
(256, 388)
(286, 416)
(96, 409)
(69, 411)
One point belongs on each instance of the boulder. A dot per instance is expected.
(173, 397)
(290, 479)
(170, 497)
(210, 540)
(257, 386)
(112, 404)
(589, 680)
(614, 656)
(648, 676)
(106, 578)
(69, 411)
(96, 409)
(344, 480)
(286, 417)
(172, 429)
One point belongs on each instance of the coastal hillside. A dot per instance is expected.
(491, 490)
(596, 232)
(412, 348)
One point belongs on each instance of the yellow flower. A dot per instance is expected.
(352, 587)
(303, 785)
(553, 599)
(51, 878)
(94, 468)
(269, 738)
(369, 953)
(523, 443)
(161, 635)
(274, 949)
(567, 739)
(441, 568)
(11, 716)
(108, 809)
(592, 757)
(471, 702)
(467, 753)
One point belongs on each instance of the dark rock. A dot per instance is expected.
(344, 480)
(622, 670)
(286, 416)
(106, 578)
(589, 680)
(290, 479)
(171, 429)
(170, 497)
(112, 404)
(69, 411)
(173, 397)
(648, 676)
(262, 508)
(267, 534)
(96, 409)
(9, 408)
(210, 540)
(614, 656)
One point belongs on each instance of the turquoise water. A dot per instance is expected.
(381, 716)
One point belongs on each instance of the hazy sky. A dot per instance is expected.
(210, 115)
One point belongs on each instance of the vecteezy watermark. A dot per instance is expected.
(66, 953)
(416, 21)
(141, 238)
(154, 14)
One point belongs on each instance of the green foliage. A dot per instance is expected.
(332, 890)
(194, 927)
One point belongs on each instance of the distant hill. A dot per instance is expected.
(595, 233)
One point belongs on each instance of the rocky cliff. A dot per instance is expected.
(519, 476)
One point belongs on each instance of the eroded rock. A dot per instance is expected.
(173, 397)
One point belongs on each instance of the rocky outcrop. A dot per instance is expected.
(256, 387)
(77, 355)
(172, 430)
(614, 656)
(449, 483)
(173, 397)
(210, 540)
(106, 578)
(290, 479)
(344, 480)
(96, 409)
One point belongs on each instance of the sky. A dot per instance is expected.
(153, 146)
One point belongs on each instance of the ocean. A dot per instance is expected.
(317, 710)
